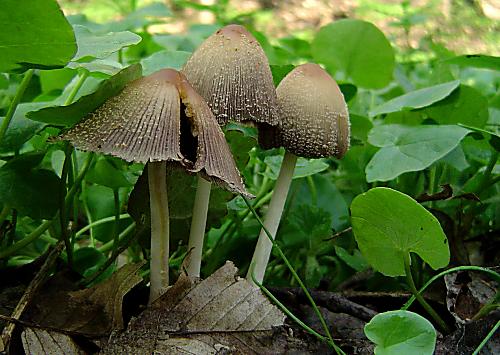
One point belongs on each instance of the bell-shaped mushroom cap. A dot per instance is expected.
(140, 124)
(315, 121)
(160, 118)
(231, 72)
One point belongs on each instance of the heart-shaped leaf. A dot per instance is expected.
(388, 225)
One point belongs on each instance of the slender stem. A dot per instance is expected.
(99, 222)
(198, 225)
(487, 338)
(35, 234)
(292, 271)
(116, 226)
(89, 217)
(264, 245)
(13, 105)
(157, 173)
(76, 88)
(491, 273)
(313, 190)
(106, 247)
(420, 299)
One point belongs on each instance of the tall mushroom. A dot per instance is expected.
(231, 72)
(159, 119)
(314, 124)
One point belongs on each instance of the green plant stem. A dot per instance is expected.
(492, 273)
(71, 96)
(116, 225)
(99, 222)
(106, 247)
(198, 226)
(289, 313)
(157, 173)
(4, 213)
(487, 173)
(409, 278)
(292, 270)
(89, 217)
(487, 338)
(35, 234)
(13, 105)
(313, 190)
(263, 248)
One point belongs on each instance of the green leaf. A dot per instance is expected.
(357, 48)
(106, 173)
(417, 99)
(164, 59)
(465, 105)
(475, 60)
(142, 17)
(34, 34)
(388, 224)
(401, 332)
(360, 126)
(280, 71)
(20, 129)
(354, 260)
(31, 191)
(493, 138)
(240, 144)
(348, 90)
(409, 148)
(72, 114)
(91, 45)
(87, 260)
(303, 168)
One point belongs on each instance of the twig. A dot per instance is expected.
(338, 234)
(31, 291)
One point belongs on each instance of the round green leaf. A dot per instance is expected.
(34, 34)
(33, 192)
(409, 148)
(465, 105)
(388, 224)
(357, 48)
(303, 168)
(417, 99)
(401, 332)
(105, 173)
(164, 59)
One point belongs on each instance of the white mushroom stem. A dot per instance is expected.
(198, 225)
(158, 200)
(272, 219)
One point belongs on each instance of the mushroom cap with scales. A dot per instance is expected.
(231, 72)
(160, 117)
(315, 120)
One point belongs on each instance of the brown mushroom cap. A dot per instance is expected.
(315, 121)
(160, 118)
(231, 72)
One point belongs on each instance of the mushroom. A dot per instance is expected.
(231, 72)
(159, 119)
(314, 124)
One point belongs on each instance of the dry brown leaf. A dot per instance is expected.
(40, 341)
(203, 317)
(95, 311)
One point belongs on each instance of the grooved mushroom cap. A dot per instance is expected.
(231, 72)
(160, 118)
(315, 121)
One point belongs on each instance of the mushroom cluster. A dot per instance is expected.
(173, 119)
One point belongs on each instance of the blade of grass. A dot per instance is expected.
(296, 277)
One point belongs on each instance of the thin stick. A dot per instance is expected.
(157, 175)
(487, 338)
(31, 291)
(198, 225)
(263, 248)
